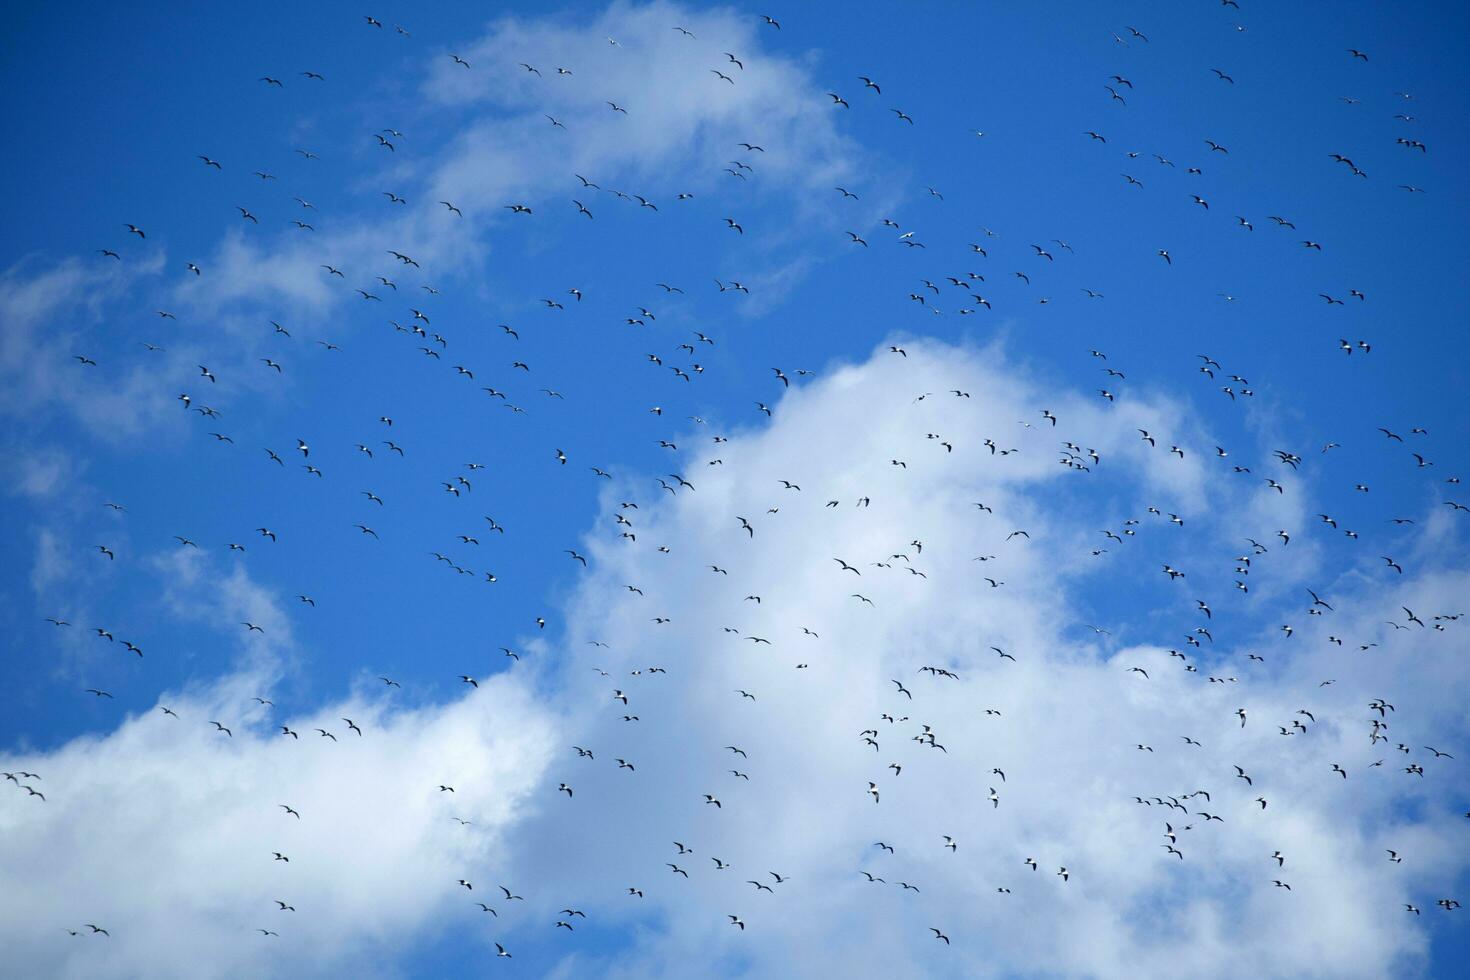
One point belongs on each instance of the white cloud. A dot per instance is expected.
(51, 564)
(41, 473)
(163, 831)
(682, 125)
(50, 311)
(1071, 716)
(491, 144)
(168, 810)
(681, 119)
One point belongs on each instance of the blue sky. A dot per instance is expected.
(109, 115)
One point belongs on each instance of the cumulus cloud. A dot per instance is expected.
(1069, 714)
(164, 830)
(187, 817)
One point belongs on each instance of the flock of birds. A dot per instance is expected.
(407, 296)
